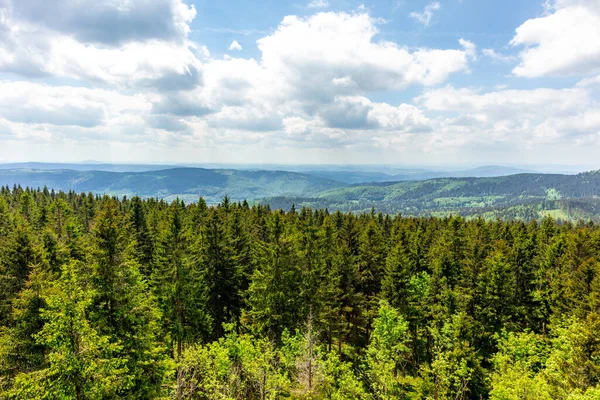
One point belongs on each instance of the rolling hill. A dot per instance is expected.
(87, 166)
(469, 196)
(522, 195)
(405, 174)
(186, 183)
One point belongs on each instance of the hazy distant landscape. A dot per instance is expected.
(489, 191)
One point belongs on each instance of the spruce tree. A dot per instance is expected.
(123, 308)
(221, 274)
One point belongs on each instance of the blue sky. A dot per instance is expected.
(448, 82)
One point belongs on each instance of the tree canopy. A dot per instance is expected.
(141, 298)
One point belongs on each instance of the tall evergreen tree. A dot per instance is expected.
(179, 287)
(123, 308)
(221, 274)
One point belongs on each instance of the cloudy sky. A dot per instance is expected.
(322, 81)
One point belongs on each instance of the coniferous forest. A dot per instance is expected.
(143, 299)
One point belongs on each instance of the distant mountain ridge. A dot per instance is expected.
(87, 166)
(471, 196)
(185, 183)
(340, 173)
(501, 195)
(356, 177)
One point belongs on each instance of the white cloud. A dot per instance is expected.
(318, 4)
(65, 105)
(564, 42)
(469, 47)
(310, 66)
(235, 46)
(426, 15)
(59, 113)
(343, 46)
(537, 103)
(246, 118)
(110, 22)
(587, 82)
(583, 128)
(342, 82)
(309, 92)
(525, 118)
(313, 73)
(30, 48)
(358, 112)
(495, 56)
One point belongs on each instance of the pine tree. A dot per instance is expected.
(19, 350)
(144, 246)
(17, 254)
(273, 301)
(221, 274)
(371, 261)
(124, 310)
(180, 289)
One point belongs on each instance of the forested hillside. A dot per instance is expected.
(169, 184)
(465, 196)
(399, 174)
(129, 298)
(521, 196)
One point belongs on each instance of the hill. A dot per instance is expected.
(399, 174)
(523, 196)
(86, 166)
(186, 183)
(469, 196)
(342, 173)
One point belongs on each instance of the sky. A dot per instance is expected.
(407, 82)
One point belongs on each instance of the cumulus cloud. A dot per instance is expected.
(109, 22)
(358, 112)
(564, 42)
(34, 47)
(247, 118)
(343, 48)
(506, 103)
(424, 17)
(167, 123)
(63, 113)
(318, 68)
(513, 116)
(312, 86)
(64, 105)
(584, 127)
(182, 104)
(235, 46)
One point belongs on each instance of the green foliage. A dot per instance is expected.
(81, 363)
(520, 358)
(234, 367)
(340, 380)
(387, 354)
(274, 301)
(455, 365)
(117, 298)
(565, 366)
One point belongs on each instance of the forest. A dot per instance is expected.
(104, 297)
